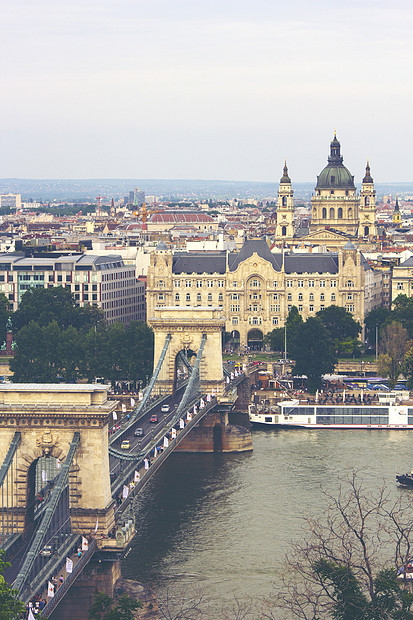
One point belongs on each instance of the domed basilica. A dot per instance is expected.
(338, 213)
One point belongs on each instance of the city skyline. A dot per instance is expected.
(205, 90)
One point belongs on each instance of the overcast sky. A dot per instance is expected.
(205, 89)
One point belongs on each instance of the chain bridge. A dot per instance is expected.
(66, 485)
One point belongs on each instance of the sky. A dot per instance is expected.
(205, 89)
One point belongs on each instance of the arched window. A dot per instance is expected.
(188, 297)
(198, 297)
(176, 296)
(366, 231)
(284, 231)
(340, 213)
(350, 212)
(332, 215)
(367, 201)
(324, 213)
(311, 297)
(284, 201)
(300, 297)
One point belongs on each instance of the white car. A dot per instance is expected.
(165, 408)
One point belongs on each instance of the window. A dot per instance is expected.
(177, 283)
(161, 283)
(350, 307)
(199, 283)
(86, 297)
(349, 283)
(322, 297)
(275, 320)
(289, 307)
(340, 213)
(300, 308)
(176, 296)
(86, 287)
(333, 283)
(161, 296)
(235, 284)
(220, 283)
(235, 296)
(255, 320)
(322, 307)
(94, 297)
(289, 283)
(220, 297)
(235, 320)
(333, 296)
(310, 283)
(311, 308)
(255, 283)
(322, 283)
(400, 286)
(198, 297)
(324, 213)
(77, 287)
(235, 308)
(289, 297)
(300, 283)
(209, 296)
(59, 278)
(94, 287)
(275, 296)
(349, 296)
(210, 284)
(188, 283)
(275, 284)
(300, 297)
(188, 297)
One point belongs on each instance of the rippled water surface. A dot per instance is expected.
(224, 521)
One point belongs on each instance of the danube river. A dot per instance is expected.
(224, 521)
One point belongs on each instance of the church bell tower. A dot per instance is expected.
(285, 208)
(367, 210)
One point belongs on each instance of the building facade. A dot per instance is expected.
(103, 281)
(402, 279)
(256, 288)
(338, 212)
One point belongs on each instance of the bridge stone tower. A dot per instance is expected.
(186, 325)
(47, 416)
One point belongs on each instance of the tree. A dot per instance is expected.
(313, 352)
(376, 318)
(107, 608)
(342, 328)
(44, 305)
(10, 605)
(4, 315)
(345, 566)
(394, 345)
(403, 312)
(275, 339)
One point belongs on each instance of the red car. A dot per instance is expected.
(153, 419)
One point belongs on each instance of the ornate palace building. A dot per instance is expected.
(338, 213)
(256, 288)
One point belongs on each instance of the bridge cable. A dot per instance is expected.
(52, 505)
(9, 456)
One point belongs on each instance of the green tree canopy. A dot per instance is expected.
(44, 305)
(378, 317)
(275, 339)
(342, 328)
(313, 352)
(10, 605)
(403, 312)
(4, 315)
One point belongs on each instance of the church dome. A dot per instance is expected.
(335, 175)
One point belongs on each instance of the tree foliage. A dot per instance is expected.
(10, 605)
(394, 345)
(106, 608)
(346, 564)
(313, 352)
(342, 328)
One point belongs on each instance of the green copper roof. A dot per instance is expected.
(335, 175)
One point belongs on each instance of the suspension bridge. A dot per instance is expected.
(65, 484)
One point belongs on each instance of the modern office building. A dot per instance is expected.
(104, 281)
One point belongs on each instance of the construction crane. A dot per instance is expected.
(99, 198)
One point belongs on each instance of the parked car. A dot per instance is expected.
(125, 445)
(165, 408)
(139, 432)
(153, 419)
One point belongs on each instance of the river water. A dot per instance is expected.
(224, 521)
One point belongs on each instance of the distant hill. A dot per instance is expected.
(86, 190)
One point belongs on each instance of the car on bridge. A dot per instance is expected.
(165, 408)
(139, 432)
(125, 445)
(153, 419)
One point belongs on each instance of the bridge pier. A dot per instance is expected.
(215, 434)
(97, 575)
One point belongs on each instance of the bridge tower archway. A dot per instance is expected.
(186, 326)
(47, 416)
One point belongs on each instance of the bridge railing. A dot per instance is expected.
(71, 577)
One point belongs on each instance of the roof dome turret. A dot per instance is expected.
(285, 178)
(335, 175)
(368, 178)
